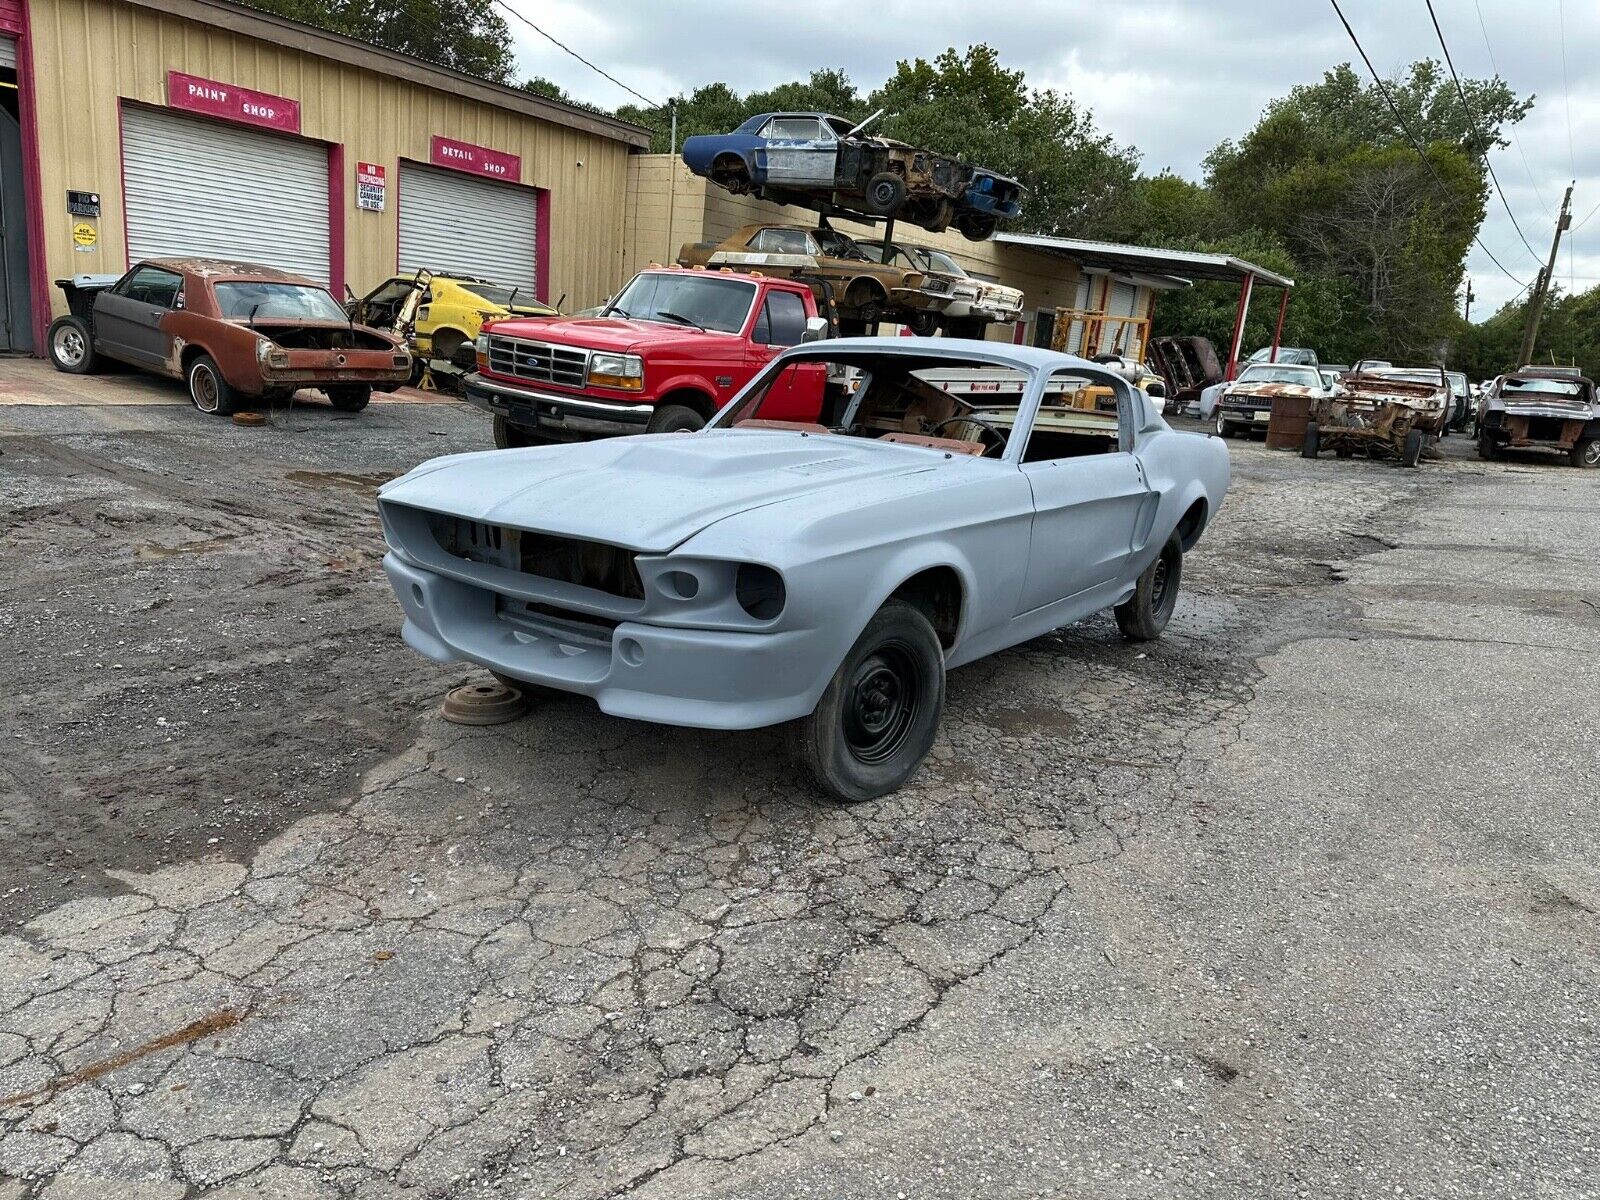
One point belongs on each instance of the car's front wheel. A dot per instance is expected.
(72, 345)
(879, 714)
(208, 389)
(674, 418)
(512, 437)
(1224, 428)
(1143, 615)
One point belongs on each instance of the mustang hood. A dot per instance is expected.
(651, 492)
(599, 333)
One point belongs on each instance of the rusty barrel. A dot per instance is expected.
(1286, 428)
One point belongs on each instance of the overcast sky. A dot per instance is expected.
(1171, 77)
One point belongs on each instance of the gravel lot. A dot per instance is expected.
(1300, 900)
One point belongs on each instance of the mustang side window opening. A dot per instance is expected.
(1079, 415)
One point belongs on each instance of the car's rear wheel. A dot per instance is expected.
(977, 227)
(674, 418)
(208, 389)
(72, 346)
(352, 398)
(1586, 453)
(1143, 615)
(879, 714)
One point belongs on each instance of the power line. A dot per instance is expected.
(1566, 96)
(1515, 140)
(563, 46)
(1383, 90)
(1473, 117)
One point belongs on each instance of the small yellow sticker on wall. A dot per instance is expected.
(84, 235)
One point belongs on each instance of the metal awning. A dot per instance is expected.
(1181, 266)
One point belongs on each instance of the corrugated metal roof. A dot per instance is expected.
(252, 22)
(1180, 264)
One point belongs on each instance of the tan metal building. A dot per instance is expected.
(150, 127)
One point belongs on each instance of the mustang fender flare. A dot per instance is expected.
(910, 562)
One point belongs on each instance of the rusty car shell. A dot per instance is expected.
(265, 357)
(1426, 390)
(831, 262)
(1542, 408)
(1187, 365)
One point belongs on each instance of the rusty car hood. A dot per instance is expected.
(651, 492)
(1266, 388)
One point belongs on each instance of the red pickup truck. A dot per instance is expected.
(667, 352)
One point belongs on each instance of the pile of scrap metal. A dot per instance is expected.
(1542, 408)
(829, 164)
(1187, 365)
(1383, 412)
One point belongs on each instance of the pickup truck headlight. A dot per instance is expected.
(622, 371)
(271, 355)
(482, 345)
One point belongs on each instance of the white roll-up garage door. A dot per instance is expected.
(452, 221)
(197, 187)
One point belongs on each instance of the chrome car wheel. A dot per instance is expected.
(68, 346)
(203, 388)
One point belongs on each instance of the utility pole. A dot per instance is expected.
(1542, 288)
(1466, 314)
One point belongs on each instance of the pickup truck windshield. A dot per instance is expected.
(250, 299)
(698, 299)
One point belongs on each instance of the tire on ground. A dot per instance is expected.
(674, 418)
(879, 714)
(512, 437)
(71, 346)
(208, 390)
(350, 397)
(1313, 441)
(1585, 452)
(1143, 615)
(1412, 454)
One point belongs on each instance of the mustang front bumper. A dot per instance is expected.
(553, 412)
(710, 679)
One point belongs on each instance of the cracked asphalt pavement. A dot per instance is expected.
(1301, 900)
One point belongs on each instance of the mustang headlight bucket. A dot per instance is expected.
(623, 371)
(760, 591)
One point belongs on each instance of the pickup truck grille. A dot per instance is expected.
(539, 362)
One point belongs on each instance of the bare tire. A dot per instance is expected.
(1143, 615)
(1412, 454)
(977, 227)
(674, 418)
(885, 193)
(208, 389)
(72, 346)
(1313, 441)
(350, 399)
(1585, 453)
(879, 714)
(512, 437)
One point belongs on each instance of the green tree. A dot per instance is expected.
(465, 35)
(968, 106)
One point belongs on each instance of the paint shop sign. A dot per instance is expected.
(475, 160)
(232, 103)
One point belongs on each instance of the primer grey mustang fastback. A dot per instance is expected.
(863, 515)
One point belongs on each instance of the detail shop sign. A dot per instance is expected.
(475, 160)
(232, 103)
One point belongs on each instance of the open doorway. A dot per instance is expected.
(16, 308)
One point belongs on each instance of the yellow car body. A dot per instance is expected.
(452, 309)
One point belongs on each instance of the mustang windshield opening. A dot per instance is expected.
(951, 405)
(689, 300)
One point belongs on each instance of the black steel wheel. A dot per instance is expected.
(1143, 615)
(878, 716)
(885, 193)
(71, 346)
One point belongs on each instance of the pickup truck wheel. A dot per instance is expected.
(72, 346)
(674, 418)
(1143, 615)
(350, 399)
(512, 437)
(1585, 453)
(208, 389)
(885, 193)
(879, 714)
